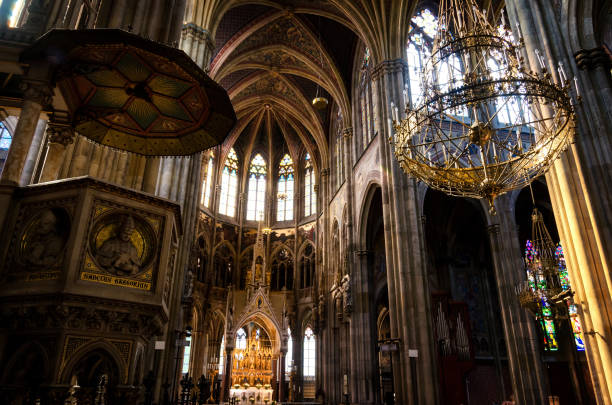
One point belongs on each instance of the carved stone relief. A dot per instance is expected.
(38, 243)
(122, 248)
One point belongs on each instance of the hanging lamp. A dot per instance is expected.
(454, 140)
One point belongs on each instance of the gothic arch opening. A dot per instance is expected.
(383, 343)
(471, 350)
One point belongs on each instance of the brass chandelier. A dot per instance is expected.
(547, 283)
(486, 124)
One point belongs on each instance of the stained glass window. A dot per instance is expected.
(289, 356)
(284, 197)
(309, 353)
(229, 185)
(310, 195)
(186, 355)
(571, 307)
(537, 280)
(5, 137)
(207, 186)
(257, 188)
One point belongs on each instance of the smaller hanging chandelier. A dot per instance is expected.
(547, 293)
(486, 124)
(545, 285)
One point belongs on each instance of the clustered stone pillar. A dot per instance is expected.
(36, 94)
(579, 182)
(528, 378)
(59, 135)
(226, 383)
(281, 378)
(409, 300)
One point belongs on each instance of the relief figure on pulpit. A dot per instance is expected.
(44, 240)
(118, 255)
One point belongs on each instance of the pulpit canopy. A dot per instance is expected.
(134, 94)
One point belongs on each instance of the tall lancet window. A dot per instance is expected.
(284, 203)
(207, 186)
(507, 109)
(309, 354)
(186, 355)
(229, 185)
(424, 26)
(310, 195)
(257, 188)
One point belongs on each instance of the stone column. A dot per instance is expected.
(528, 378)
(578, 179)
(409, 297)
(227, 371)
(36, 94)
(60, 135)
(281, 378)
(151, 173)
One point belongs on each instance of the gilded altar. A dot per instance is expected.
(252, 365)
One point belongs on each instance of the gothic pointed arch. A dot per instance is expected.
(224, 264)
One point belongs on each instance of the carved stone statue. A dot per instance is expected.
(118, 254)
(45, 243)
(188, 290)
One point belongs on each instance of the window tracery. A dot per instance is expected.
(424, 26)
(282, 270)
(5, 137)
(307, 267)
(241, 340)
(286, 182)
(257, 189)
(309, 354)
(229, 185)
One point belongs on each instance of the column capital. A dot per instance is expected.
(325, 172)
(60, 132)
(590, 59)
(347, 132)
(389, 66)
(493, 229)
(37, 91)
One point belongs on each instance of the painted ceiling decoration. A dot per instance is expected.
(132, 94)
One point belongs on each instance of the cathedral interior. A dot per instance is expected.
(220, 201)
